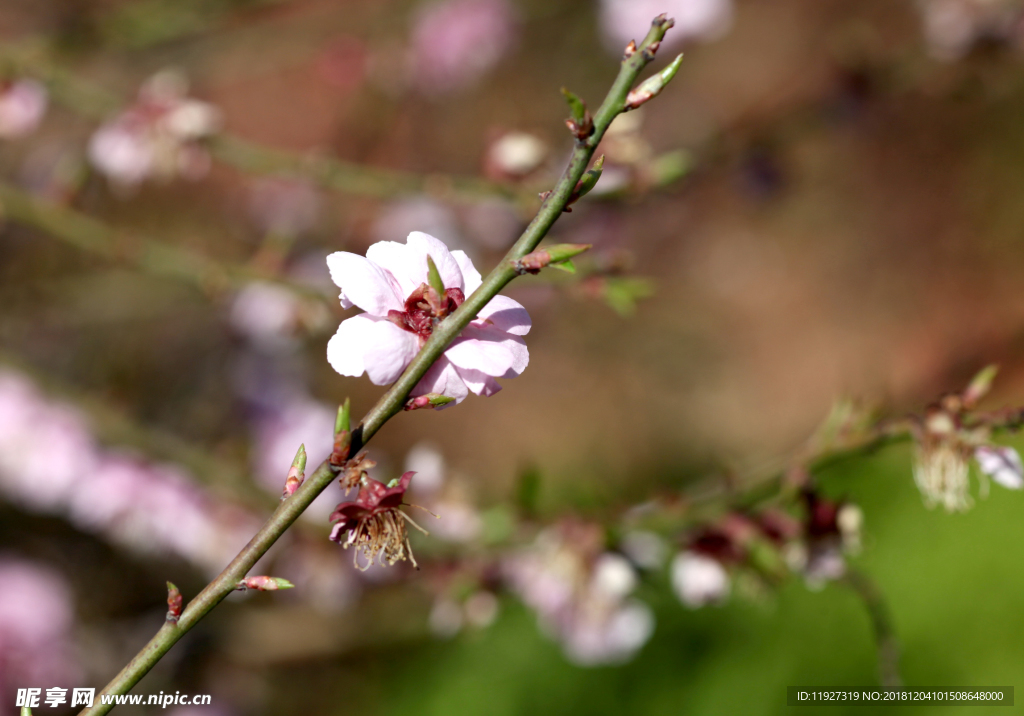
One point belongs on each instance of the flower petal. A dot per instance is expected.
(346, 348)
(472, 353)
(515, 345)
(479, 383)
(388, 350)
(1002, 464)
(423, 244)
(396, 259)
(470, 275)
(507, 315)
(444, 379)
(520, 355)
(363, 283)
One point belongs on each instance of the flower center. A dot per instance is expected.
(425, 308)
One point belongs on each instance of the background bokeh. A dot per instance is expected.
(825, 203)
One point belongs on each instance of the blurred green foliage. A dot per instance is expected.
(953, 583)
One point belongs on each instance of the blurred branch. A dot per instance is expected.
(154, 257)
(356, 179)
(347, 177)
(881, 623)
(396, 397)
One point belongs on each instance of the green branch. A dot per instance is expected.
(395, 399)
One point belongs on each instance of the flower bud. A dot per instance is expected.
(630, 50)
(342, 445)
(588, 181)
(580, 123)
(550, 255)
(430, 401)
(979, 386)
(434, 277)
(296, 474)
(174, 602)
(652, 86)
(344, 420)
(264, 584)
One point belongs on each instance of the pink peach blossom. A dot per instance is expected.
(390, 285)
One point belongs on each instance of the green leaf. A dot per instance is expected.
(577, 107)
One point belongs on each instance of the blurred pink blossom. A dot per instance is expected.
(36, 619)
(50, 463)
(44, 447)
(157, 136)
(953, 27)
(699, 579)
(22, 106)
(288, 208)
(390, 285)
(455, 42)
(266, 313)
(582, 598)
(625, 20)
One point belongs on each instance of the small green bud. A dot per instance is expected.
(264, 584)
(550, 256)
(296, 474)
(653, 85)
(428, 402)
(980, 385)
(174, 603)
(589, 180)
(434, 277)
(344, 419)
(577, 107)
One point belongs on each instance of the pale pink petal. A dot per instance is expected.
(388, 351)
(397, 259)
(364, 284)
(520, 355)
(346, 348)
(479, 383)
(470, 275)
(424, 244)
(1002, 464)
(444, 379)
(507, 315)
(488, 356)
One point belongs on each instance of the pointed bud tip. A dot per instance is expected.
(434, 276)
(428, 401)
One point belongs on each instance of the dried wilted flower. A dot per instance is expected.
(947, 438)
(940, 465)
(357, 472)
(375, 524)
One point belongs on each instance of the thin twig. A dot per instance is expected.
(881, 624)
(394, 400)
